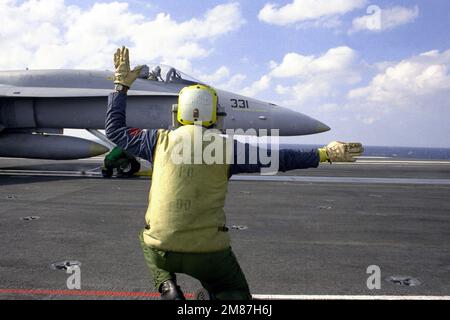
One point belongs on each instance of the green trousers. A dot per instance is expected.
(218, 272)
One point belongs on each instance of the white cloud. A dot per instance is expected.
(222, 78)
(304, 82)
(385, 19)
(312, 89)
(258, 86)
(420, 81)
(300, 11)
(315, 79)
(394, 103)
(413, 94)
(164, 37)
(328, 107)
(280, 89)
(234, 83)
(297, 65)
(399, 102)
(217, 77)
(51, 34)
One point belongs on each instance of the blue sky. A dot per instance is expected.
(381, 82)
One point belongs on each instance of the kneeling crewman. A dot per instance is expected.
(185, 228)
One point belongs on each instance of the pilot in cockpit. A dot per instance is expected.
(155, 74)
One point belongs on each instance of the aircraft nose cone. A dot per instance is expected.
(292, 123)
(321, 127)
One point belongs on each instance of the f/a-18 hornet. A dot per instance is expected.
(36, 105)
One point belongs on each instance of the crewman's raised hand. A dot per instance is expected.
(123, 74)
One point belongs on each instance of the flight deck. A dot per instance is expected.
(298, 235)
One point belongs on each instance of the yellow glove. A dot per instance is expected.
(123, 75)
(341, 151)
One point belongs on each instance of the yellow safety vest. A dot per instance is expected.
(185, 212)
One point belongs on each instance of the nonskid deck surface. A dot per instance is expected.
(303, 236)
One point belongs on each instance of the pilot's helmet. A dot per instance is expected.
(156, 71)
(197, 104)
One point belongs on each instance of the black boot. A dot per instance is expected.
(170, 291)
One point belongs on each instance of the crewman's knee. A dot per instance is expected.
(156, 263)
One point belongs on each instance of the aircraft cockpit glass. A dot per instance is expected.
(167, 74)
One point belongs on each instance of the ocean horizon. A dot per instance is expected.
(416, 153)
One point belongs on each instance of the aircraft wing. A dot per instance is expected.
(52, 92)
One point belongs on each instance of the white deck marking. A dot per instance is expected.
(402, 162)
(344, 297)
(341, 180)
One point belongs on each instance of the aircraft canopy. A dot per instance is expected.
(164, 73)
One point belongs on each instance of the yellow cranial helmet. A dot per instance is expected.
(197, 103)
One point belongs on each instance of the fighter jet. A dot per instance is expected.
(36, 105)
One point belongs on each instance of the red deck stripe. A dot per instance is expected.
(84, 293)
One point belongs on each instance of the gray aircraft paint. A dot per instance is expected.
(77, 99)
